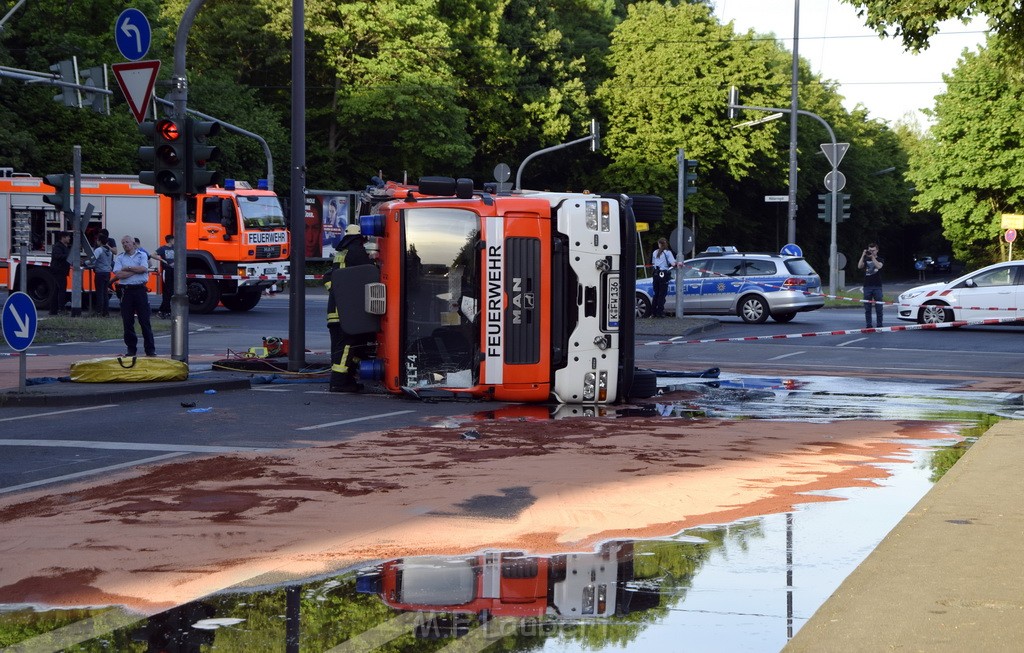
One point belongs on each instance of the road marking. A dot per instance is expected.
(271, 389)
(843, 344)
(794, 353)
(56, 412)
(353, 420)
(90, 472)
(127, 446)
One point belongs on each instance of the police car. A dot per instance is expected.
(751, 286)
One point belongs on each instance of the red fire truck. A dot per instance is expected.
(234, 231)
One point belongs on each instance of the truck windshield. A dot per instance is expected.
(441, 291)
(260, 211)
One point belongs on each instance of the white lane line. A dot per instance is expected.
(271, 389)
(56, 412)
(792, 353)
(843, 344)
(126, 446)
(90, 472)
(353, 420)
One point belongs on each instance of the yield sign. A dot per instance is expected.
(835, 153)
(136, 79)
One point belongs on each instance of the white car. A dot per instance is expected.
(993, 292)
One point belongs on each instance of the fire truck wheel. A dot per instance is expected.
(647, 208)
(241, 301)
(40, 288)
(645, 384)
(203, 295)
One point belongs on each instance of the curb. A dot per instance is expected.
(93, 393)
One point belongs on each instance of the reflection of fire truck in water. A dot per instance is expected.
(510, 584)
(523, 296)
(231, 231)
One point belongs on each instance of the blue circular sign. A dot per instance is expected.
(132, 34)
(792, 250)
(19, 321)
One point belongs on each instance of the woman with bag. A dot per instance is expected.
(663, 261)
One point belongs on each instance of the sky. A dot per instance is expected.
(876, 73)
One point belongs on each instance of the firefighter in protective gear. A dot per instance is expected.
(350, 252)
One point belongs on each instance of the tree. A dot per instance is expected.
(916, 21)
(971, 168)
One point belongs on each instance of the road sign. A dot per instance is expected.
(19, 321)
(132, 34)
(792, 249)
(835, 154)
(838, 180)
(1010, 235)
(1011, 221)
(687, 239)
(136, 80)
(776, 198)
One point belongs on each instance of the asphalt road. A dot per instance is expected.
(62, 444)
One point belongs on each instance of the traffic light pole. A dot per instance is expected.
(179, 99)
(76, 235)
(677, 273)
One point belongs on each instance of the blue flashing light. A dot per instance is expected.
(229, 184)
(262, 184)
(371, 225)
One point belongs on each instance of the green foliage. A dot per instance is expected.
(916, 21)
(970, 169)
(456, 86)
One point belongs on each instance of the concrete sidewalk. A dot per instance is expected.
(948, 578)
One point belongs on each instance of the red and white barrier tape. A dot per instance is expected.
(845, 332)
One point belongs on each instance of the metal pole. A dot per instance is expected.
(677, 273)
(297, 205)
(23, 287)
(76, 234)
(794, 112)
(179, 98)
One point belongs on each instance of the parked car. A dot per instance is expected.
(996, 291)
(943, 264)
(751, 286)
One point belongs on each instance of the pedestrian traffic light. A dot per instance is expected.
(61, 198)
(199, 153)
(844, 206)
(65, 71)
(166, 154)
(96, 77)
(690, 178)
(825, 207)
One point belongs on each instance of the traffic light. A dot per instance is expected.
(844, 206)
(96, 77)
(61, 198)
(199, 153)
(825, 207)
(166, 154)
(65, 71)
(690, 177)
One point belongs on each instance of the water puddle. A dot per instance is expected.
(748, 585)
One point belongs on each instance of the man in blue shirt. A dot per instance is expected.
(131, 268)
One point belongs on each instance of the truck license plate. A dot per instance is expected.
(612, 301)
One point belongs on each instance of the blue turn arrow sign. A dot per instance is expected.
(132, 34)
(19, 321)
